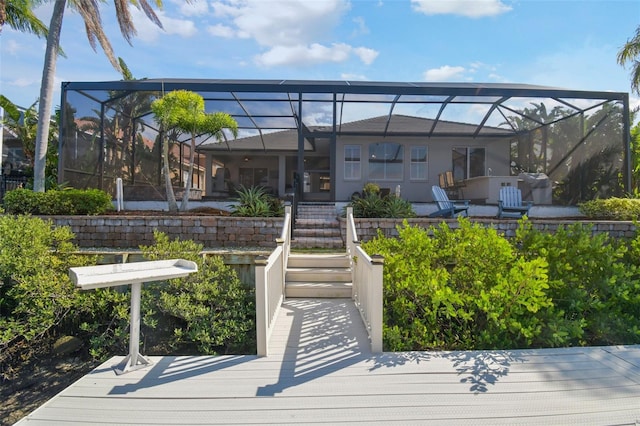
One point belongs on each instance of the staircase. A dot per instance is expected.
(317, 226)
(318, 276)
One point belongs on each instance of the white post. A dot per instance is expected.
(375, 308)
(134, 360)
(119, 195)
(262, 307)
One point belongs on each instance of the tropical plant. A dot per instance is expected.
(90, 12)
(630, 53)
(19, 15)
(256, 202)
(24, 125)
(184, 110)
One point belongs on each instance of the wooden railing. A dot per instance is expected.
(367, 284)
(270, 276)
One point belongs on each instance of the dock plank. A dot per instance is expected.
(322, 371)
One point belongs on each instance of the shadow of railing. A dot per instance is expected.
(320, 342)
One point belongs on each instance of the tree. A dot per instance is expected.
(90, 13)
(630, 53)
(184, 110)
(19, 15)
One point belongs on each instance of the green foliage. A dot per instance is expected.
(371, 188)
(611, 209)
(371, 205)
(459, 289)
(210, 310)
(255, 202)
(593, 283)
(65, 202)
(470, 288)
(36, 293)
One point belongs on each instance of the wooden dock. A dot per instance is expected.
(322, 372)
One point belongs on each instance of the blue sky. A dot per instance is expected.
(562, 43)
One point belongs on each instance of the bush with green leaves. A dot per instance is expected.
(36, 295)
(611, 209)
(210, 311)
(593, 282)
(463, 288)
(54, 202)
(372, 205)
(256, 202)
(470, 288)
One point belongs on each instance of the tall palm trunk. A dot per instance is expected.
(187, 185)
(46, 94)
(166, 171)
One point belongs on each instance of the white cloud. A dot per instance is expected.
(366, 55)
(468, 8)
(313, 54)
(361, 26)
(220, 30)
(149, 32)
(193, 8)
(284, 22)
(355, 77)
(444, 73)
(12, 47)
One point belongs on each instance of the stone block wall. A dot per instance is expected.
(133, 231)
(368, 228)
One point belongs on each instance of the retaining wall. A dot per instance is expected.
(229, 232)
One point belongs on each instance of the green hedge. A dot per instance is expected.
(612, 209)
(54, 202)
(471, 288)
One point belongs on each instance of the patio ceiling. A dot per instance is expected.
(320, 108)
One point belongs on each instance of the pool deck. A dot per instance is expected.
(320, 371)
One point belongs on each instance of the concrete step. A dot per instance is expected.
(316, 232)
(318, 289)
(317, 242)
(309, 274)
(324, 260)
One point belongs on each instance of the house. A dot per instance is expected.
(326, 139)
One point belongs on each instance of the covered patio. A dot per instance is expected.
(326, 139)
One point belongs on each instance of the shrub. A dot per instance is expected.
(36, 294)
(460, 289)
(371, 205)
(255, 202)
(67, 202)
(594, 284)
(210, 310)
(611, 209)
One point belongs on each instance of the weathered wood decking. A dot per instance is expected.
(323, 372)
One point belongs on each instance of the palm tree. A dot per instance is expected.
(630, 52)
(184, 111)
(90, 13)
(19, 15)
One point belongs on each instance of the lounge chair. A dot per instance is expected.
(447, 208)
(510, 203)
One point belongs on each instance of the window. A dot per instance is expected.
(418, 164)
(352, 168)
(385, 161)
(468, 162)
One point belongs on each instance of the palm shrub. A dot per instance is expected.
(256, 202)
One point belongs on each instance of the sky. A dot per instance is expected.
(569, 44)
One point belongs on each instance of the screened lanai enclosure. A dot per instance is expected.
(325, 140)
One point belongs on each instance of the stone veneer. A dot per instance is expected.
(368, 228)
(113, 231)
(223, 231)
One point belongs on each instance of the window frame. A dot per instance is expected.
(385, 163)
(414, 163)
(351, 165)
